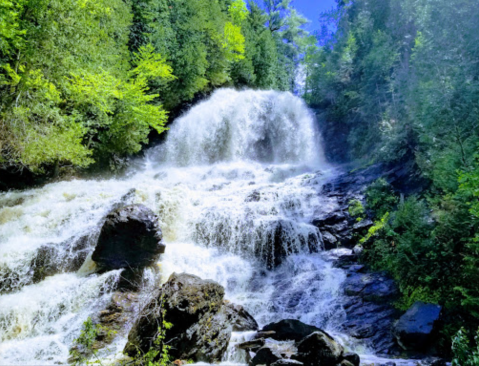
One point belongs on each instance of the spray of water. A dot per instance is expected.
(236, 172)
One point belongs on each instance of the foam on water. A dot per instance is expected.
(233, 172)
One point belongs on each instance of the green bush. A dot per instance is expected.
(380, 197)
(465, 353)
(356, 209)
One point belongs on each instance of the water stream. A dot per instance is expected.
(232, 171)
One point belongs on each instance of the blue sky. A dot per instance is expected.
(311, 10)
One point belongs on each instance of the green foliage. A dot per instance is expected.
(157, 355)
(465, 353)
(380, 197)
(375, 229)
(84, 346)
(80, 80)
(69, 90)
(356, 209)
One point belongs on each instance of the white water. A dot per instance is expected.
(230, 170)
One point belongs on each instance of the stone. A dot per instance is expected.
(329, 240)
(202, 321)
(319, 349)
(255, 343)
(254, 196)
(287, 362)
(129, 238)
(353, 358)
(414, 329)
(290, 330)
(358, 250)
(345, 363)
(240, 319)
(265, 356)
(432, 361)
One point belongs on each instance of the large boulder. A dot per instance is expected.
(202, 322)
(319, 349)
(290, 330)
(240, 319)
(130, 238)
(415, 328)
(370, 314)
(265, 356)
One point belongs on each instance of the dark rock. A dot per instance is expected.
(345, 261)
(268, 334)
(113, 322)
(129, 238)
(358, 250)
(377, 287)
(345, 363)
(50, 259)
(432, 361)
(254, 344)
(254, 196)
(353, 358)
(240, 319)
(290, 329)
(388, 364)
(329, 219)
(370, 314)
(362, 225)
(319, 349)
(329, 240)
(202, 322)
(414, 329)
(265, 356)
(287, 362)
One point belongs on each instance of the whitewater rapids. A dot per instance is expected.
(230, 169)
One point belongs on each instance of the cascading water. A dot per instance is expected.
(236, 173)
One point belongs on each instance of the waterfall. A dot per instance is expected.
(237, 175)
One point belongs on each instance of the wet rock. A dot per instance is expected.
(290, 329)
(268, 334)
(319, 349)
(432, 361)
(329, 240)
(240, 319)
(388, 364)
(370, 314)
(265, 356)
(376, 287)
(254, 196)
(345, 363)
(49, 259)
(287, 362)
(129, 238)
(414, 329)
(358, 250)
(111, 322)
(251, 345)
(362, 225)
(353, 358)
(345, 261)
(202, 322)
(329, 219)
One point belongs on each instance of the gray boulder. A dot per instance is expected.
(414, 329)
(265, 356)
(289, 330)
(319, 349)
(202, 322)
(130, 238)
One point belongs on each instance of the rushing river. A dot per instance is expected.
(230, 171)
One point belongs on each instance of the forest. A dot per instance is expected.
(83, 81)
(86, 83)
